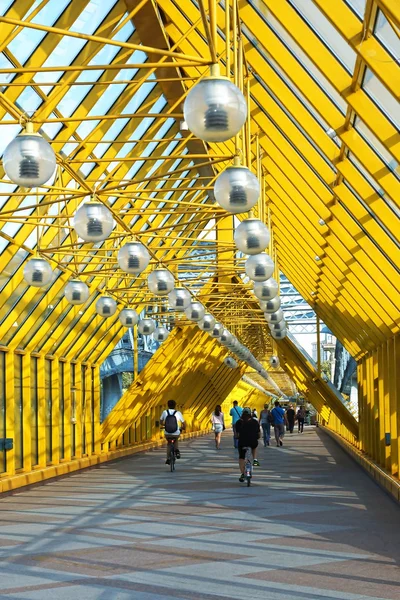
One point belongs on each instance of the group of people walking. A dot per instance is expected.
(247, 428)
(278, 418)
(245, 424)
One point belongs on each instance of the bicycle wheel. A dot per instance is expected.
(172, 458)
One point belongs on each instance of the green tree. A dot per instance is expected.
(127, 379)
(326, 368)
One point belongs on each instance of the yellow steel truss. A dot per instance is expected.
(105, 83)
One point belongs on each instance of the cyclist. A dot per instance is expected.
(248, 433)
(170, 420)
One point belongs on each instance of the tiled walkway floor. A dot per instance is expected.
(312, 526)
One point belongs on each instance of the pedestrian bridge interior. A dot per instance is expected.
(175, 176)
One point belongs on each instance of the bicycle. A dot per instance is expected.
(172, 454)
(248, 465)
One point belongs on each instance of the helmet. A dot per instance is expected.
(247, 410)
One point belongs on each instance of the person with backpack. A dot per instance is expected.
(280, 420)
(301, 415)
(170, 420)
(248, 434)
(235, 413)
(265, 421)
(217, 420)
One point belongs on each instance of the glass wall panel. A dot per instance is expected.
(84, 398)
(49, 410)
(73, 410)
(34, 411)
(93, 410)
(18, 413)
(62, 407)
(3, 458)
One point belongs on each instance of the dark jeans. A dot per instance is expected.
(301, 425)
(235, 439)
(291, 426)
(266, 427)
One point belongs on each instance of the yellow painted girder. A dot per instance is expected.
(369, 49)
(318, 99)
(304, 373)
(275, 116)
(293, 201)
(336, 74)
(391, 10)
(165, 377)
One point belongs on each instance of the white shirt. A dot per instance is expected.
(179, 418)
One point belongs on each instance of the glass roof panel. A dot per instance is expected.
(377, 146)
(358, 7)
(386, 34)
(296, 124)
(285, 78)
(299, 54)
(5, 64)
(326, 32)
(383, 98)
(27, 40)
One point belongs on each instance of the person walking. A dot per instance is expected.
(280, 420)
(217, 420)
(254, 414)
(290, 415)
(235, 413)
(265, 421)
(248, 433)
(301, 415)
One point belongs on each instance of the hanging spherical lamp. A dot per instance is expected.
(146, 326)
(274, 361)
(106, 306)
(237, 189)
(38, 272)
(251, 236)
(128, 317)
(133, 257)
(274, 317)
(161, 334)
(76, 292)
(195, 311)
(179, 299)
(270, 306)
(215, 109)
(206, 323)
(279, 335)
(266, 290)
(226, 337)
(234, 345)
(259, 267)
(93, 222)
(29, 160)
(279, 326)
(243, 353)
(217, 330)
(161, 282)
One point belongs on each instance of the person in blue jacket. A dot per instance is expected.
(235, 413)
(280, 420)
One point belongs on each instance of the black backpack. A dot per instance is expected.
(171, 422)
